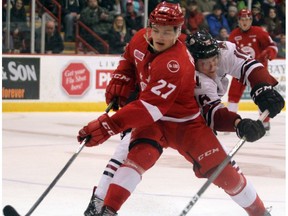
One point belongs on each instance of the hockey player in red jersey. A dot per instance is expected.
(256, 42)
(165, 115)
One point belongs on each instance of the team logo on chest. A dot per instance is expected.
(139, 55)
(173, 66)
(237, 38)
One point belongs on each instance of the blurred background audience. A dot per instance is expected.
(114, 22)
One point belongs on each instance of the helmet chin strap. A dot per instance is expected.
(146, 36)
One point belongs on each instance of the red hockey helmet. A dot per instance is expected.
(167, 14)
(245, 13)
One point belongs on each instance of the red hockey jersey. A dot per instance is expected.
(166, 79)
(254, 42)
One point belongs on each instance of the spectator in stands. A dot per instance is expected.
(274, 25)
(224, 4)
(18, 25)
(70, 12)
(99, 20)
(138, 6)
(266, 5)
(281, 45)
(223, 34)
(119, 36)
(53, 40)
(113, 6)
(206, 6)
(18, 13)
(18, 17)
(258, 17)
(232, 17)
(134, 20)
(195, 19)
(216, 21)
(18, 40)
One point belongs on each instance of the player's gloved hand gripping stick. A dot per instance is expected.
(10, 211)
(218, 170)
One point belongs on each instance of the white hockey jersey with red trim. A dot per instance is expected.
(208, 92)
(235, 62)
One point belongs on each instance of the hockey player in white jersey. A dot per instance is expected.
(217, 59)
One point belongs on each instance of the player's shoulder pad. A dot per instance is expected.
(224, 44)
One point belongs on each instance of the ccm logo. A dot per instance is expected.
(107, 127)
(260, 90)
(121, 77)
(208, 153)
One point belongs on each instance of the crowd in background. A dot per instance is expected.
(116, 21)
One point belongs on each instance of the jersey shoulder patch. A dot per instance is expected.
(173, 66)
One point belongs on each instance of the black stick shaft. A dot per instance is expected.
(60, 174)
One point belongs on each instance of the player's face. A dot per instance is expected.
(163, 37)
(208, 66)
(245, 23)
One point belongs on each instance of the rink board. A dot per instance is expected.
(36, 83)
(79, 107)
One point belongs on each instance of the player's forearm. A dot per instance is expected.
(224, 120)
(261, 75)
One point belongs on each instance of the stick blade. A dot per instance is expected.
(10, 211)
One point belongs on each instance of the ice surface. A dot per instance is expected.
(36, 146)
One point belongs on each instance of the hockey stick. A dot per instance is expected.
(218, 170)
(8, 210)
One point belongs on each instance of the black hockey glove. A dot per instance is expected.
(252, 130)
(268, 98)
